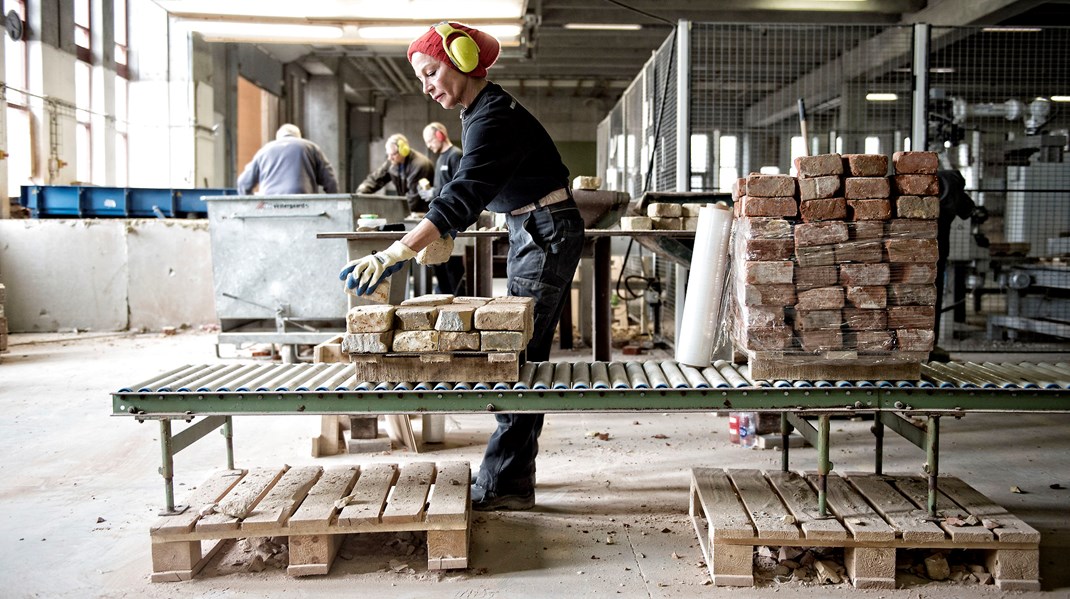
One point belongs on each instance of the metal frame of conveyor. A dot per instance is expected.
(215, 393)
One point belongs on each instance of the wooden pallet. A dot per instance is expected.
(302, 504)
(871, 516)
(836, 365)
(452, 367)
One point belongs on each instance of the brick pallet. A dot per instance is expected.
(735, 510)
(314, 508)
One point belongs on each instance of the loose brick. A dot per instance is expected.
(768, 338)
(866, 188)
(867, 297)
(822, 298)
(862, 275)
(769, 206)
(769, 295)
(868, 341)
(902, 294)
(864, 252)
(819, 187)
(437, 252)
(691, 209)
(514, 299)
(816, 341)
(915, 274)
(762, 316)
(911, 250)
(812, 277)
(927, 207)
(381, 294)
(367, 343)
(915, 339)
(820, 233)
(416, 341)
(818, 166)
(664, 209)
(690, 224)
(370, 318)
(861, 210)
(636, 223)
(865, 230)
(739, 188)
(765, 228)
(502, 341)
(503, 317)
(821, 255)
(415, 318)
(471, 300)
(924, 163)
(865, 165)
(911, 317)
(769, 273)
(766, 250)
(827, 209)
(431, 299)
(818, 320)
(455, 317)
(665, 223)
(450, 341)
(770, 186)
(862, 319)
(904, 228)
(917, 185)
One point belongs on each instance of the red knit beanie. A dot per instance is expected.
(430, 43)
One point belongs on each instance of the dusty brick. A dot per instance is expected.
(431, 299)
(471, 300)
(765, 228)
(664, 209)
(812, 277)
(916, 274)
(514, 299)
(818, 166)
(666, 223)
(871, 297)
(370, 318)
(866, 252)
(367, 343)
(866, 188)
(458, 341)
(769, 273)
(762, 316)
(769, 295)
(818, 320)
(769, 206)
(911, 250)
(437, 252)
(911, 317)
(636, 223)
(865, 165)
(690, 224)
(924, 163)
(416, 341)
(770, 186)
(739, 188)
(915, 339)
(820, 233)
(860, 210)
(821, 255)
(861, 275)
(497, 316)
(691, 209)
(902, 294)
(864, 230)
(909, 228)
(927, 207)
(819, 187)
(822, 298)
(862, 319)
(767, 250)
(917, 185)
(868, 341)
(768, 338)
(455, 317)
(502, 341)
(381, 294)
(826, 209)
(815, 341)
(415, 318)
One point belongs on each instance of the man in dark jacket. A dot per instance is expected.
(288, 165)
(404, 167)
(450, 274)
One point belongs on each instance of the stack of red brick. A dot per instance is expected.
(840, 259)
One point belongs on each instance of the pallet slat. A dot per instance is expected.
(766, 509)
(368, 498)
(1011, 529)
(409, 498)
(907, 518)
(242, 498)
(727, 517)
(279, 504)
(318, 509)
(802, 501)
(916, 489)
(211, 491)
(451, 496)
(850, 507)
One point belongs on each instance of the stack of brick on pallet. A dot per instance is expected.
(840, 262)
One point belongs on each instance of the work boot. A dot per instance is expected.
(485, 501)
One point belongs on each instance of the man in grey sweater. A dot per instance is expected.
(288, 165)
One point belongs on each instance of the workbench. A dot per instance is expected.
(209, 396)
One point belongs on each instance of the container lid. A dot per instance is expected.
(369, 216)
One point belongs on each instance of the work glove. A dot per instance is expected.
(365, 274)
(438, 251)
(426, 194)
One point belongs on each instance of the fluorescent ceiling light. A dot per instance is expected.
(604, 26)
(284, 31)
(942, 70)
(1012, 29)
(1060, 98)
(881, 97)
(350, 10)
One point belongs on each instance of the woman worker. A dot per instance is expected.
(510, 165)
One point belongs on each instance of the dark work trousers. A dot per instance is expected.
(544, 250)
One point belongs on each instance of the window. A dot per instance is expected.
(798, 148)
(121, 68)
(82, 35)
(122, 128)
(873, 145)
(728, 169)
(700, 143)
(83, 168)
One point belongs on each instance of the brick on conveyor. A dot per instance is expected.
(472, 300)
(416, 341)
(818, 255)
(861, 210)
(769, 295)
(915, 163)
(818, 341)
(770, 186)
(822, 298)
(430, 299)
(455, 317)
(636, 223)
(370, 318)
(762, 316)
(415, 318)
(867, 251)
(911, 317)
(870, 297)
(905, 294)
(911, 250)
(664, 209)
(818, 166)
(820, 233)
(922, 207)
(767, 249)
(824, 209)
(819, 187)
(867, 188)
(367, 343)
(865, 165)
(691, 209)
(503, 316)
(865, 230)
(862, 319)
(666, 223)
(915, 339)
(690, 224)
(817, 320)
(764, 228)
(812, 277)
(868, 341)
(864, 274)
(451, 341)
(768, 206)
(910, 228)
(914, 274)
(491, 341)
(768, 338)
(769, 273)
(917, 185)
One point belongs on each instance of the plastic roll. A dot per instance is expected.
(705, 286)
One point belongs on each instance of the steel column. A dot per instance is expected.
(878, 436)
(228, 439)
(785, 434)
(824, 466)
(932, 459)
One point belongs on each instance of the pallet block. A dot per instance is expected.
(835, 365)
(314, 508)
(870, 516)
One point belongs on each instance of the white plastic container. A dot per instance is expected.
(370, 221)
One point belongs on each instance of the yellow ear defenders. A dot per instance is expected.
(402, 145)
(463, 51)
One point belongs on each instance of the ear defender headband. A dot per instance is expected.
(463, 51)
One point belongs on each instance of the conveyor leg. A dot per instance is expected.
(785, 433)
(228, 437)
(167, 470)
(932, 459)
(878, 454)
(824, 466)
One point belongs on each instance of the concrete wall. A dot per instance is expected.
(105, 275)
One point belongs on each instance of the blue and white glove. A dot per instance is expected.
(365, 274)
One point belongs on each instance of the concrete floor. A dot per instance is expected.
(79, 490)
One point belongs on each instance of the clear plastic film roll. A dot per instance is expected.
(703, 322)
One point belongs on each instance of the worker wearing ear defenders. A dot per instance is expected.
(509, 165)
(404, 167)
